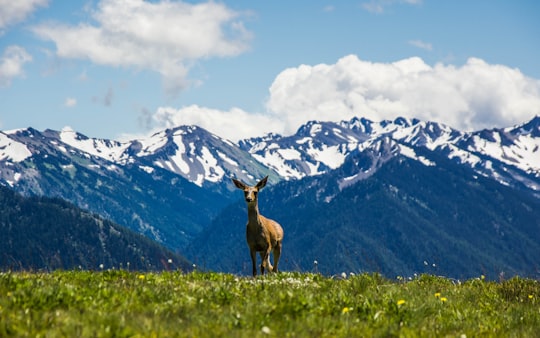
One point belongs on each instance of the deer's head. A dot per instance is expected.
(250, 192)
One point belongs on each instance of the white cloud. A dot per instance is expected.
(70, 102)
(12, 12)
(234, 124)
(421, 44)
(11, 64)
(474, 96)
(166, 37)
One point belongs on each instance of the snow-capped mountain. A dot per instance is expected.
(195, 154)
(97, 175)
(316, 148)
(173, 185)
(509, 155)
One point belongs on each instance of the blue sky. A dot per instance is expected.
(122, 69)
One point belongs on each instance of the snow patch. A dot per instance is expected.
(315, 128)
(152, 144)
(410, 153)
(227, 159)
(109, 150)
(12, 150)
(350, 178)
(303, 140)
(212, 171)
(148, 169)
(178, 158)
(330, 156)
(274, 161)
(290, 154)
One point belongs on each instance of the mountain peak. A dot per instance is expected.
(309, 129)
(67, 129)
(530, 128)
(316, 148)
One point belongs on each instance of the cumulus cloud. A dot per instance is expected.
(473, 96)
(12, 12)
(234, 124)
(165, 37)
(470, 97)
(11, 64)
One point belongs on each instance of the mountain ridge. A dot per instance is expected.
(317, 147)
(173, 185)
(44, 234)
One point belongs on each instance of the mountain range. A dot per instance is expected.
(174, 187)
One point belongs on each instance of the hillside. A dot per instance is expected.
(46, 234)
(150, 200)
(406, 218)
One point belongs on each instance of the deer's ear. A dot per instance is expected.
(262, 183)
(238, 184)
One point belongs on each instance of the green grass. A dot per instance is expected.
(173, 304)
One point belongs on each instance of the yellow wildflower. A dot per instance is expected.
(141, 277)
(530, 296)
(438, 294)
(401, 302)
(345, 310)
(443, 299)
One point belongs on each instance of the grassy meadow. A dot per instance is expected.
(120, 303)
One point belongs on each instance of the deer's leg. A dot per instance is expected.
(277, 254)
(265, 257)
(253, 255)
(263, 261)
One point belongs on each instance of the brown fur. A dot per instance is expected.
(263, 235)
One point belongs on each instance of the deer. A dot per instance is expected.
(263, 235)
